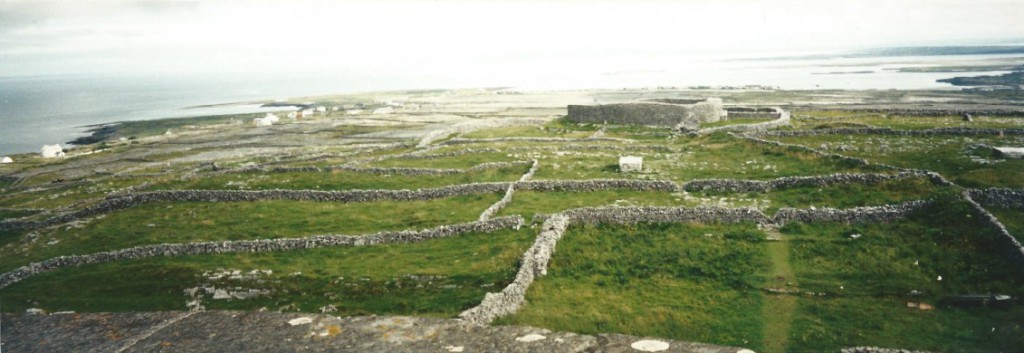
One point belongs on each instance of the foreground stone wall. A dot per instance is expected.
(261, 245)
(535, 261)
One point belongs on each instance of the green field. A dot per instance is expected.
(798, 287)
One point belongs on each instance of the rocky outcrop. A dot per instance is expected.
(265, 332)
(261, 245)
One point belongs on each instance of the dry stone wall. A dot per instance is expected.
(462, 141)
(598, 185)
(262, 245)
(877, 350)
(958, 131)
(380, 171)
(131, 200)
(741, 185)
(534, 263)
(498, 206)
(851, 215)
(999, 197)
(1012, 245)
(782, 120)
(650, 114)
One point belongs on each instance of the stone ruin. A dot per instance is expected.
(659, 113)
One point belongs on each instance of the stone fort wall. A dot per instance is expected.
(648, 113)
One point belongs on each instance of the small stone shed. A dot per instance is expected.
(631, 164)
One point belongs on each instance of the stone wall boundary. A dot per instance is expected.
(936, 177)
(535, 260)
(534, 263)
(598, 185)
(498, 206)
(1013, 246)
(462, 141)
(378, 170)
(782, 120)
(999, 197)
(954, 131)
(123, 201)
(745, 185)
(261, 245)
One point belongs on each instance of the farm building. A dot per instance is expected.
(52, 151)
(631, 164)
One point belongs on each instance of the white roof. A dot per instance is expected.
(631, 160)
(1011, 150)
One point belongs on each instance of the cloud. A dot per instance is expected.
(434, 36)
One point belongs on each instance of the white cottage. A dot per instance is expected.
(52, 151)
(631, 164)
(6, 160)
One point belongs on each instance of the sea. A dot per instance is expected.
(38, 110)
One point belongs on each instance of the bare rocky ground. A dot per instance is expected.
(227, 331)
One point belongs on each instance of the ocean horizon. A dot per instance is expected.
(38, 110)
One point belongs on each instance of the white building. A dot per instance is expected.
(631, 164)
(52, 151)
(267, 120)
(384, 110)
(307, 113)
(321, 109)
(293, 115)
(1010, 152)
(6, 160)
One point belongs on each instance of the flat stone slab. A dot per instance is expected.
(228, 331)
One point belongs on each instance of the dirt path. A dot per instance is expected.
(778, 309)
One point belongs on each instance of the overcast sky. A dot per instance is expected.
(60, 37)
